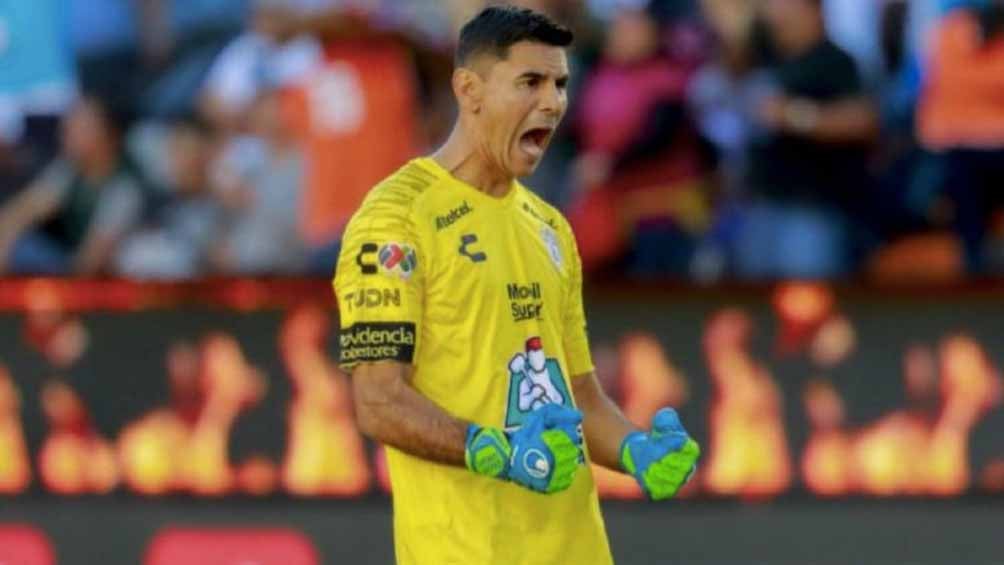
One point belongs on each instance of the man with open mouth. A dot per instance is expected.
(460, 295)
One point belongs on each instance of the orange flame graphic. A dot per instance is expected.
(905, 452)
(325, 451)
(185, 447)
(749, 451)
(15, 470)
(74, 459)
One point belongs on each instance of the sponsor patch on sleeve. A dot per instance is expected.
(377, 341)
(398, 259)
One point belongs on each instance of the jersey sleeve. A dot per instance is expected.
(379, 284)
(580, 360)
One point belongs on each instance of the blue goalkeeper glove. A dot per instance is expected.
(542, 455)
(662, 460)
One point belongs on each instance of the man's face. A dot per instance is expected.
(83, 131)
(792, 23)
(524, 100)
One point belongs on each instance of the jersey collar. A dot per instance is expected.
(435, 168)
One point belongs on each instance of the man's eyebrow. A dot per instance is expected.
(539, 75)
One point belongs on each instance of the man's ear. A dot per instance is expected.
(469, 88)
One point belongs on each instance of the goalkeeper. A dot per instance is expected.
(460, 294)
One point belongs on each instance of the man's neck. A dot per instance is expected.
(460, 157)
(812, 40)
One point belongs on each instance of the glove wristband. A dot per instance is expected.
(499, 442)
(472, 432)
(627, 462)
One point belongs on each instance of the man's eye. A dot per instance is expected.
(533, 82)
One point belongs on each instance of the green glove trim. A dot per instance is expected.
(660, 473)
(664, 478)
(487, 451)
(566, 459)
(627, 462)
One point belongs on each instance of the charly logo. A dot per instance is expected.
(553, 247)
(526, 301)
(443, 222)
(534, 381)
(367, 259)
(466, 242)
(398, 259)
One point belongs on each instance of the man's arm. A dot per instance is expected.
(661, 459)
(94, 255)
(25, 210)
(390, 411)
(604, 425)
(111, 223)
(851, 120)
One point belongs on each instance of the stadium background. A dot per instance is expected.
(182, 377)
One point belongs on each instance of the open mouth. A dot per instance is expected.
(534, 141)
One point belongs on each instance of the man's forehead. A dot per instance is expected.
(539, 58)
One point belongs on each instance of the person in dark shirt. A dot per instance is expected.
(808, 161)
(73, 216)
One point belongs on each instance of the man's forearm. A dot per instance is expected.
(11, 228)
(846, 121)
(390, 411)
(604, 425)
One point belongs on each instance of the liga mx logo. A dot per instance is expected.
(398, 259)
(553, 247)
(534, 381)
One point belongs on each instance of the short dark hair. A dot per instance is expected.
(117, 113)
(497, 28)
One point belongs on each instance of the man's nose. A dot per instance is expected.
(552, 100)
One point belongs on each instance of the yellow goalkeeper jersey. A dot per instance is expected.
(483, 296)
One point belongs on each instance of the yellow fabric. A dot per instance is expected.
(489, 275)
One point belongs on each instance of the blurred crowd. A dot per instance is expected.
(706, 139)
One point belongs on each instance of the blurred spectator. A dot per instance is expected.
(269, 54)
(808, 165)
(187, 19)
(259, 181)
(181, 39)
(908, 178)
(722, 93)
(722, 99)
(106, 44)
(961, 114)
(356, 117)
(73, 216)
(305, 104)
(853, 25)
(640, 168)
(177, 245)
(664, 9)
